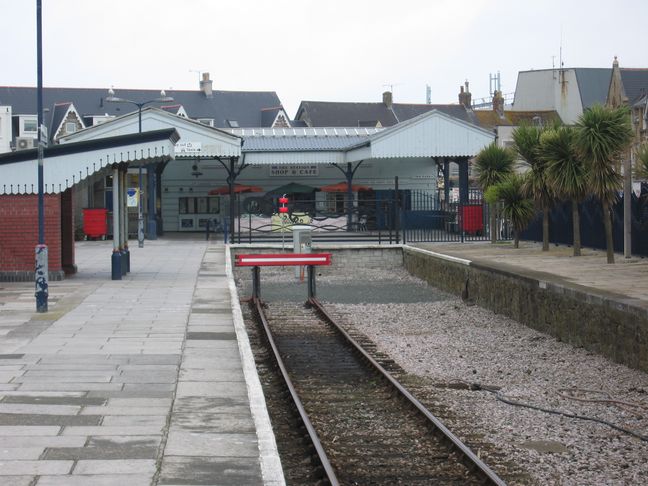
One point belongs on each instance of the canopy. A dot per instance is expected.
(224, 190)
(292, 188)
(344, 187)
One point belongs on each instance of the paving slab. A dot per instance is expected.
(144, 380)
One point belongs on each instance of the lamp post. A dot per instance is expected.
(163, 98)
(42, 268)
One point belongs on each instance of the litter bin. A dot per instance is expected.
(95, 222)
(302, 239)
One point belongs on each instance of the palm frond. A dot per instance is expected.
(641, 162)
(515, 205)
(566, 170)
(493, 164)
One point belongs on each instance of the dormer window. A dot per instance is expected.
(233, 123)
(207, 121)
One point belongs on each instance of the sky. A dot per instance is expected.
(323, 50)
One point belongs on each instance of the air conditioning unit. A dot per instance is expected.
(23, 143)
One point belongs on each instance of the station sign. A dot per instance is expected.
(292, 170)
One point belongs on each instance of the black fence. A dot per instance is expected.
(389, 216)
(591, 224)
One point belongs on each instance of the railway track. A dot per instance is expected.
(362, 425)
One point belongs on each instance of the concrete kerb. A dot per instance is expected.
(271, 469)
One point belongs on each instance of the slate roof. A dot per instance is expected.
(635, 83)
(344, 114)
(490, 119)
(243, 106)
(593, 84)
(58, 113)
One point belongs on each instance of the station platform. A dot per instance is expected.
(626, 279)
(141, 381)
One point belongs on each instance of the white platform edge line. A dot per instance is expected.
(441, 256)
(271, 469)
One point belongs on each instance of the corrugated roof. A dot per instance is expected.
(243, 106)
(312, 143)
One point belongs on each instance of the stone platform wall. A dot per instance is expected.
(602, 322)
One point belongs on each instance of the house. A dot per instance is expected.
(85, 107)
(629, 87)
(376, 115)
(568, 91)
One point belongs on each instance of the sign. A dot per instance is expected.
(289, 170)
(188, 148)
(132, 194)
(283, 223)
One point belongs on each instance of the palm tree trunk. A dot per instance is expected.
(607, 223)
(576, 228)
(545, 227)
(516, 239)
(493, 222)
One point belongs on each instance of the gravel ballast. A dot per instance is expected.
(449, 342)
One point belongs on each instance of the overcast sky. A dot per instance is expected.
(329, 50)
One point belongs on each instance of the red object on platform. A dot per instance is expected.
(283, 200)
(95, 223)
(282, 259)
(473, 218)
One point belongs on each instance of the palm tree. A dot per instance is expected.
(536, 186)
(516, 205)
(566, 172)
(492, 165)
(602, 136)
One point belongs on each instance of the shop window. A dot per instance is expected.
(198, 205)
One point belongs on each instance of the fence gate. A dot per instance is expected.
(428, 218)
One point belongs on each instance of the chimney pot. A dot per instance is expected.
(387, 99)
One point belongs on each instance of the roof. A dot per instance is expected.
(59, 111)
(243, 106)
(490, 119)
(593, 84)
(343, 114)
(302, 139)
(635, 83)
(68, 164)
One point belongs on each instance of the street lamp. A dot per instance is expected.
(163, 98)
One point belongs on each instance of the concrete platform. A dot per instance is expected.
(147, 380)
(627, 278)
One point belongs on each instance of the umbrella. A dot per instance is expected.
(223, 190)
(344, 187)
(292, 188)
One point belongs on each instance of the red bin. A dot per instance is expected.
(95, 223)
(473, 221)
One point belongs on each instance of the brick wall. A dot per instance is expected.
(19, 235)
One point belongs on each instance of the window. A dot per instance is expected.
(233, 123)
(207, 121)
(30, 125)
(198, 205)
(70, 127)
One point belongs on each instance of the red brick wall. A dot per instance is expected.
(19, 232)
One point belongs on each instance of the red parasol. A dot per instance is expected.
(344, 187)
(238, 188)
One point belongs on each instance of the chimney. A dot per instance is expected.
(206, 85)
(498, 103)
(465, 96)
(387, 99)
